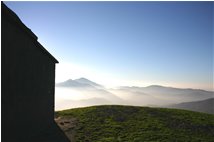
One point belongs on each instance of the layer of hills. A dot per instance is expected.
(206, 106)
(135, 124)
(89, 93)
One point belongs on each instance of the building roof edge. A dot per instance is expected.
(14, 18)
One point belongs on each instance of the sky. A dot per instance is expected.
(126, 43)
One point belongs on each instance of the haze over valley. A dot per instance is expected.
(118, 66)
(83, 92)
(127, 44)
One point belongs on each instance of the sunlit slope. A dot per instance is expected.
(135, 124)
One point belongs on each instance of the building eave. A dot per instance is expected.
(11, 16)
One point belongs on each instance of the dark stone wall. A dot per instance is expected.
(28, 78)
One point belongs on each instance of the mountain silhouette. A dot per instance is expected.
(89, 92)
(154, 95)
(206, 106)
(86, 81)
(173, 95)
(81, 82)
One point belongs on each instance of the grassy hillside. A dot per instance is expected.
(135, 124)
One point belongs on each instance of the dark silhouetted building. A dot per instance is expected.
(28, 82)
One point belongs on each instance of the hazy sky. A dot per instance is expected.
(126, 43)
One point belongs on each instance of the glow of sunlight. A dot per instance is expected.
(65, 71)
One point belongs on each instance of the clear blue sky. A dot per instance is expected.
(130, 43)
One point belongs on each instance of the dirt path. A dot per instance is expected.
(67, 124)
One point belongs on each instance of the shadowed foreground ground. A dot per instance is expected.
(52, 134)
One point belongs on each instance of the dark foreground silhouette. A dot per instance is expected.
(28, 79)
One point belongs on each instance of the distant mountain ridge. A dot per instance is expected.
(175, 94)
(81, 82)
(86, 81)
(89, 93)
(155, 95)
(206, 106)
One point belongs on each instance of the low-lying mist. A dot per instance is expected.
(83, 92)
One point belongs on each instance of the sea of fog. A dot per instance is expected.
(66, 98)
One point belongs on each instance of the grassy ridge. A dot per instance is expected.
(140, 124)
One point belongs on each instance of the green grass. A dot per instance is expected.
(140, 124)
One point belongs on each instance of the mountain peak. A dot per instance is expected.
(155, 86)
(82, 79)
(69, 80)
(87, 81)
(81, 82)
